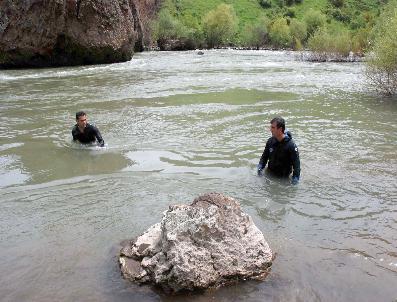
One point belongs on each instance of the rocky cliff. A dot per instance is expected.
(39, 33)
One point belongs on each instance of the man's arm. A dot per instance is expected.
(264, 159)
(74, 134)
(296, 166)
(98, 136)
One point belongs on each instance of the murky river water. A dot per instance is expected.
(176, 125)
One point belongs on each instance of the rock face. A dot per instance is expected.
(38, 33)
(206, 244)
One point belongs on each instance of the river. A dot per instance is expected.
(176, 125)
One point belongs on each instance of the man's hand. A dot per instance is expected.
(294, 180)
(259, 168)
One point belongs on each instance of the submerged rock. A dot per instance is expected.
(72, 32)
(206, 244)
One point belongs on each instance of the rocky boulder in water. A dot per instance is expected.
(206, 244)
(38, 33)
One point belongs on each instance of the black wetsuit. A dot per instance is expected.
(90, 134)
(282, 157)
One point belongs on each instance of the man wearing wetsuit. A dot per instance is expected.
(281, 153)
(84, 132)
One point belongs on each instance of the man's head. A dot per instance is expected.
(81, 119)
(277, 127)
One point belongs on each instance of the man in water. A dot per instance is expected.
(84, 132)
(281, 153)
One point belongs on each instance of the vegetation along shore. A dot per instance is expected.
(337, 30)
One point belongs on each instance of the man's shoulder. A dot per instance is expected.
(271, 141)
(74, 129)
(292, 146)
(91, 127)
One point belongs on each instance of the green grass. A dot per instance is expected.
(306, 5)
(247, 11)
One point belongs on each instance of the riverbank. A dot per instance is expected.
(303, 55)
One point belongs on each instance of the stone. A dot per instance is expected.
(39, 33)
(206, 244)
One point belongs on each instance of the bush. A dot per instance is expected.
(280, 34)
(265, 3)
(297, 44)
(314, 20)
(337, 3)
(360, 40)
(256, 35)
(220, 25)
(298, 30)
(290, 12)
(167, 27)
(338, 14)
(195, 33)
(381, 66)
(329, 46)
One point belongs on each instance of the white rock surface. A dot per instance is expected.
(206, 244)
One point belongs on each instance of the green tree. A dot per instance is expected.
(220, 25)
(381, 66)
(280, 34)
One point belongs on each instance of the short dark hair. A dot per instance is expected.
(280, 122)
(80, 113)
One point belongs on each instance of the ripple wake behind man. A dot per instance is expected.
(84, 132)
(281, 153)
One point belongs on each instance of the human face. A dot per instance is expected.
(82, 121)
(276, 132)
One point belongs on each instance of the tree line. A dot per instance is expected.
(334, 33)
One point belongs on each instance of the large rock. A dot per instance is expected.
(38, 33)
(206, 244)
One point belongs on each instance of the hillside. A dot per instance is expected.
(266, 23)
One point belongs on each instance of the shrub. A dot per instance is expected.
(314, 20)
(265, 3)
(280, 34)
(256, 35)
(360, 40)
(297, 44)
(167, 27)
(337, 3)
(298, 30)
(381, 66)
(195, 33)
(220, 25)
(290, 12)
(339, 15)
(329, 46)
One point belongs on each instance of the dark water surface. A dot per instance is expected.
(178, 125)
